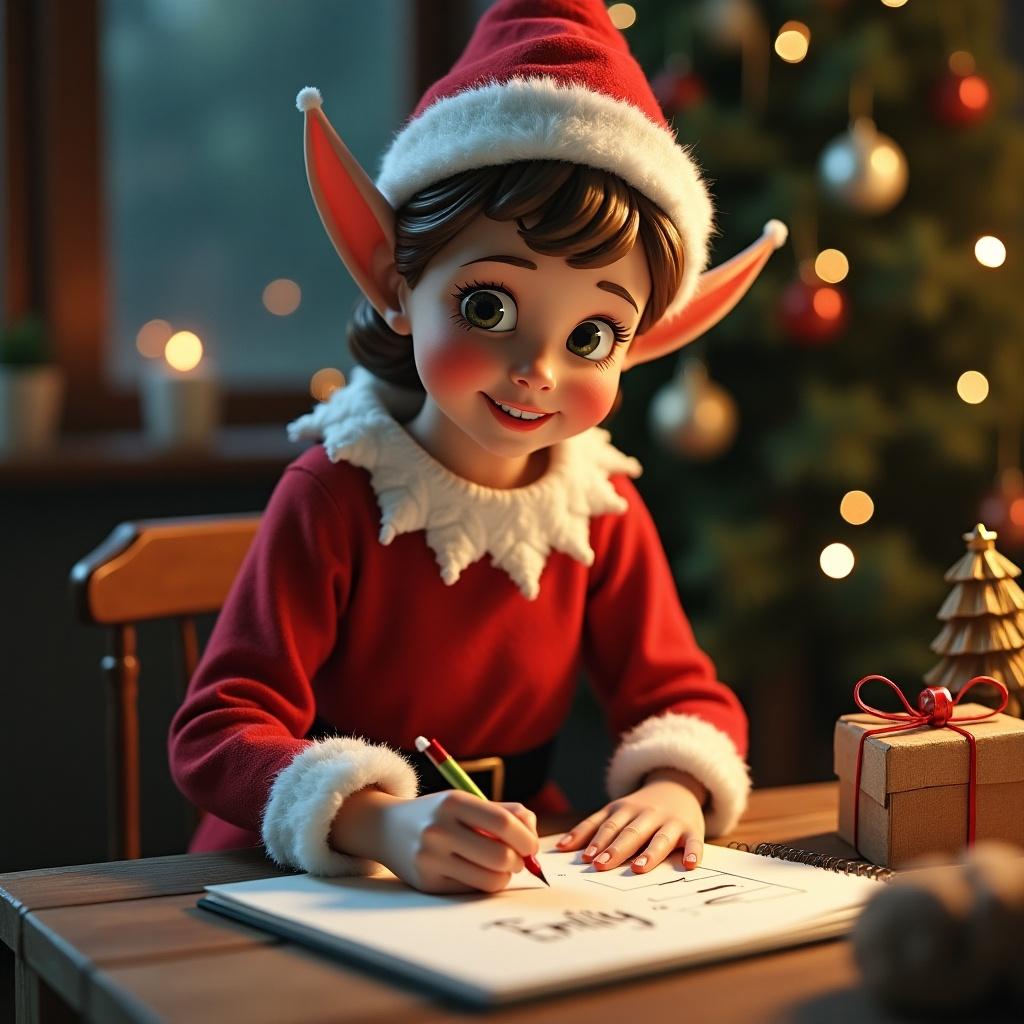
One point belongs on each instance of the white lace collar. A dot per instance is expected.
(463, 520)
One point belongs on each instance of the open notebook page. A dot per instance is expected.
(589, 927)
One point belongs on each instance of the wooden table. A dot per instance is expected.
(124, 942)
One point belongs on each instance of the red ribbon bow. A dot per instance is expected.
(935, 706)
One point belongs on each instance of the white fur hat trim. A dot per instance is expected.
(688, 744)
(307, 793)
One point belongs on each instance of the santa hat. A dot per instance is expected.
(552, 80)
(542, 80)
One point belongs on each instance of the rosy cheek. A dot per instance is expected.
(592, 400)
(456, 364)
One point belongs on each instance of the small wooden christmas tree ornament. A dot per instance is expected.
(983, 633)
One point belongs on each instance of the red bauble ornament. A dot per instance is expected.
(960, 99)
(813, 314)
(677, 91)
(1004, 511)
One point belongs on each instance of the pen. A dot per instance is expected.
(455, 776)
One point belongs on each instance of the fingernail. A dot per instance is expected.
(590, 851)
(604, 858)
(565, 839)
(691, 859)
(640, 862)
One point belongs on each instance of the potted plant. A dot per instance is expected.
(31, 389)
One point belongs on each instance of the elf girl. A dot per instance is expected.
(466, 537)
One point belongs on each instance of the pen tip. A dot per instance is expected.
(422, 743)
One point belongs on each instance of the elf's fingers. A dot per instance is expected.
(524, 814)
(662, 843)
(693, 854)
(608, 832)
(579, 835)
(630, 838)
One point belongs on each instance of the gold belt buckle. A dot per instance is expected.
(494, 765)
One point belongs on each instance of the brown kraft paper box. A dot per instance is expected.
(913, 797)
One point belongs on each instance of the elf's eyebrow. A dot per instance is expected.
(617, 289)
(518, 261)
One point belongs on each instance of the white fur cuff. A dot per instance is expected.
(688, 744)
(306, 796)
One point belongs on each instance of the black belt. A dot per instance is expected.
(518, 777)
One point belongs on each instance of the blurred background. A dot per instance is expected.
(812, 463)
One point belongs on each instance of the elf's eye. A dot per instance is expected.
(489, 309)
(592, 339)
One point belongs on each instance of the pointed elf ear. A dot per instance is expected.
(358, 219)
(718, 290)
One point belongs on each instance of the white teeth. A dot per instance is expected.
(518, 413)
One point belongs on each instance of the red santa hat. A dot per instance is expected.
(552, 80)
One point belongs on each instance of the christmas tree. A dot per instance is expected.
(984, 623)
(885, 135)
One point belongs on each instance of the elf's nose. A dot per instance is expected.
(534, 370)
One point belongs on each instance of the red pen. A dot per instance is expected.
(455, 775)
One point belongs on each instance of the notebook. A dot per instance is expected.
(590, 927)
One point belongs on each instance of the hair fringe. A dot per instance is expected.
(590, 217)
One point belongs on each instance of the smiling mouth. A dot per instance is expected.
(516, 418)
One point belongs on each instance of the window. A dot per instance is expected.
(127, 123)
(205, 192)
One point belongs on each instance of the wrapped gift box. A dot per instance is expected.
(913, 787)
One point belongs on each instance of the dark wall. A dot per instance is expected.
(52, 710)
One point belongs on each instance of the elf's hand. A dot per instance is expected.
(666, 812)
(453, 841)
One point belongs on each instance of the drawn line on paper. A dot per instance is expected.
(702, 878)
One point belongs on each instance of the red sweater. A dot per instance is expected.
(326, 621)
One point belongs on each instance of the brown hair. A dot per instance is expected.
(591, 217)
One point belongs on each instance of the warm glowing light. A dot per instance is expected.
(973, 92)
(183, 351)
(152, 337)
(325, 382)
(972, 387)
(856, 507)
(989, 251)
(282, 296)
(827, 303)
(831, 265)
(623, 15)
(793, 41)
(961, 62)
(1016, 512)
(884, 159)
(837, 561)
(894, 3)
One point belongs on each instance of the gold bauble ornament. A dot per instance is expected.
(693, 416)
(864, 169)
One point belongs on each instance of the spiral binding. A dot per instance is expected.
(826, 862)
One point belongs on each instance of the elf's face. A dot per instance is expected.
(518, 350)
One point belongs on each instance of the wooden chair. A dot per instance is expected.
(153, 569)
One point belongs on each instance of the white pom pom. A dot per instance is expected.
(777, 231)
(308, 98)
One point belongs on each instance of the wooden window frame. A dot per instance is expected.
(54, 220)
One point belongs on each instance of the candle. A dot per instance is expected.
(180, 396)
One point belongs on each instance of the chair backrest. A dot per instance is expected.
(152, 569)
